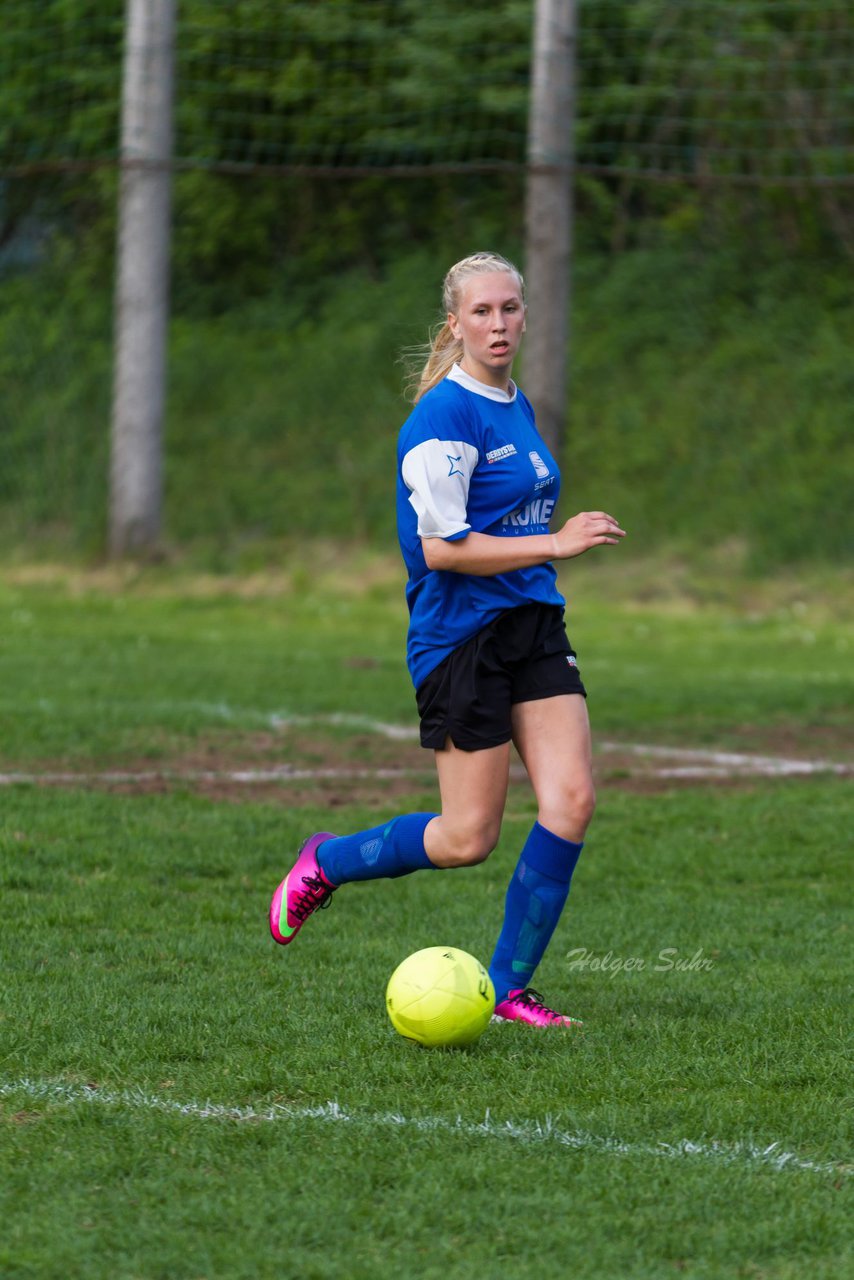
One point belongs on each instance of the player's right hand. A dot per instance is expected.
(587, 529)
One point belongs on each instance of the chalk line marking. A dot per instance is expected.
(697, 764)
(723, 764)
(276, 773)
(525, 1132)
(705, 763)
(688, 762)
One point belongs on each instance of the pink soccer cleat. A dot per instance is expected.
(303, 891)
(528, 1006)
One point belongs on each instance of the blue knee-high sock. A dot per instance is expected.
(535, 897)
(381, 853)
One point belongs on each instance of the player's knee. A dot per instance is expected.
(473, 843)
(569, 813)
(584, 801)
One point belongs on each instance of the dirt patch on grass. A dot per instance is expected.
(19, 1118)
(798, 741)
(331, 767)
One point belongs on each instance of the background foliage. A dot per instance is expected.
(332, 160)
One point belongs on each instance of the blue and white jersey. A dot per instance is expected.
(469, 458)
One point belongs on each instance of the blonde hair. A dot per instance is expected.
(444, 350)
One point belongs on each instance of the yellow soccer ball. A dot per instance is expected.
(440, 996)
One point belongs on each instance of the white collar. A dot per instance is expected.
(481, 388)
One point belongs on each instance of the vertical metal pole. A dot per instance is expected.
(142, 277)
(548, 214)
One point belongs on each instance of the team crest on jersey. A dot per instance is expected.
(538, 464)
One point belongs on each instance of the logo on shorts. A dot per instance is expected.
(538, 464)
(570, 657)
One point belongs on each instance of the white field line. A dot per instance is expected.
(276, 773)
(529, 1132)
(704, 763)
(723, 764)
(688, 763)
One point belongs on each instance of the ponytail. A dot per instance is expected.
(442, 353)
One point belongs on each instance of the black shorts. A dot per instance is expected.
(521, 656)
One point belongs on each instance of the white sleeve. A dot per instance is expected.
(438, 474)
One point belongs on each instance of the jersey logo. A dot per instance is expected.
(538, 464)
(537, 512)
(454, 471)
(506, 451)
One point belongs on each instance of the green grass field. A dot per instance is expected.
(181, 1099)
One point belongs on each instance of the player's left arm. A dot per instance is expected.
(484, 554)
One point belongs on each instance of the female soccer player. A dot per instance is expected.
(487, 648)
